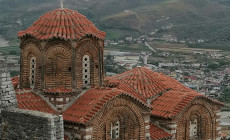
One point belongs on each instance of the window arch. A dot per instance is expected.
(86, 70)
(32, 72)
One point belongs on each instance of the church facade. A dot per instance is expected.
(62, 73)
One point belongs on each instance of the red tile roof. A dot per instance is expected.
(58, 90)
(157, 133)
(172, 102)
(31, 101)
(90, 103)
(62, 23)
(142, 80)
(15, 81)
(170, 96)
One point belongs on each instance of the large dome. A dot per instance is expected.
(62, 23)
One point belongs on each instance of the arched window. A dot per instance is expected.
(86, 70)
(115, 130)
(193, 128)
(32, 71)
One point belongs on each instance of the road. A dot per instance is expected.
(147, 45)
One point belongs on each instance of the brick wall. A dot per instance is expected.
(88, 47)
(134, 122)
(31, 48)
(207, 124)
(59, 62)
(25, 124)
(133, 117)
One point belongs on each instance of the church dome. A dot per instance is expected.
(62, 23)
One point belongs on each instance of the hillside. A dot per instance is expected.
(191, 19)
(186, 19)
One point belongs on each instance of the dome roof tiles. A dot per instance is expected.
(62, 23)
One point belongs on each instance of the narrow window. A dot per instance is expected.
(32, 72)
(86, 70)
(193, 128)
(115, 130)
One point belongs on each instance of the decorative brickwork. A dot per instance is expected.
(59, 63)
(58, 67)
(130, 116)
(30, 49)
(201, 114)
(90, 47)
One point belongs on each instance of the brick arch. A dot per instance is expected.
(54, 42)
(88, 47)
(58, 67)
(30, 49)
(201, 108)
(30, 40)
(124, 110)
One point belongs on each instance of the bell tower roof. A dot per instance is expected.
(62, 23)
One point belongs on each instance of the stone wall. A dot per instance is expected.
(7, 94)
(26, 124)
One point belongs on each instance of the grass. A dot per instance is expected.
(131, 48)
(223, 45)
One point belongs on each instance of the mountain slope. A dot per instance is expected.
(185, 19)
(192, 19)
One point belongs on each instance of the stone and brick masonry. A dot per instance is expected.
(21, 124)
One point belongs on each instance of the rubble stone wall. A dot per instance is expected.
(7, 94)
(26, 124)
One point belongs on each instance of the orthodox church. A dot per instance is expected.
(62, 73)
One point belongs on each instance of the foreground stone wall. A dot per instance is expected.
(7, 93)
(26, 124)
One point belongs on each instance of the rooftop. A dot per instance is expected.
(64, 24)
(157, 133)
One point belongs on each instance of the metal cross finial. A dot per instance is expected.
(61, 4)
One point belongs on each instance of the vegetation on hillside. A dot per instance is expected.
(191, 19)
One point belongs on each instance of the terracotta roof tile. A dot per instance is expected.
(15, 81)
(170, 96)
(62, 23)
(173, 102)
(90, 103)
(31, 101)
(157, 133)
(142, 80)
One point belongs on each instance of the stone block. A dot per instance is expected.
(3, 75)
(9, 78)
(3, 79)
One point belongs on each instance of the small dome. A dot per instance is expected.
(62, 23)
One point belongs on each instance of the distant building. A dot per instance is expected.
(129, 39)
